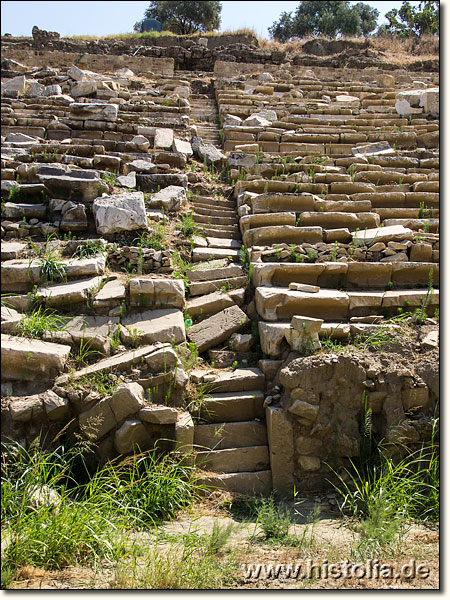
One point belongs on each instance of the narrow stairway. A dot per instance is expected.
(230, 435)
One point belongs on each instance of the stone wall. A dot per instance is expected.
(93, 62)
(317, 424)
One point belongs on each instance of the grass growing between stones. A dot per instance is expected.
(388, 493)
(40, 321)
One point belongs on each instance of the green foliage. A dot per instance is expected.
(330, 18)
(185, 17)
(187, 225)
(88, 249)
(274, 519)
(89, 521)
(412, 21)
(40, 321)
(155, 238)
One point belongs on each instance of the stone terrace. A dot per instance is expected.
(147, 240)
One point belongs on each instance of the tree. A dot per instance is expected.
(185, 17)
(331, 18)
(408, 20)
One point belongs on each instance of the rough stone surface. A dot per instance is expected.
(218, 328)
(121, 212)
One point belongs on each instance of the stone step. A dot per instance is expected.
(198, 288)
(216, 242)
(214, 270)
(240, 380)
(217, 328)
(257, 483)
(232, 406)
(23, 359)
(275, 303)
(234, 460)
(352, 275)
(209, 211)
(202, 201)
(219, 436)
(21, 275)
(231, 231)
(206, 305)
(210, 219)
(202, 254)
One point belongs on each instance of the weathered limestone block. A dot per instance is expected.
(163, 325)
(303, 333)
(382, 234)
(31, 360)
(155, 293)
(27, 409)
(56, 408)
(126, 400)
(282, 234)
(278, 303)
(99, 420)
(276, 202)
(68, 294)
(218, 328)
(184, 435)
(100, 111)
(160, 415)
(283, 274)
(204, 306)
(271, 336)
(121, 212)
(281, 447)
(10, 318)
(305, 410)
(132, 436)
(163, 138)
(171, 198)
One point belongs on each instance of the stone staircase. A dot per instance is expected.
(230, 435)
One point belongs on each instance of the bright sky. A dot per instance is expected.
(103, 18)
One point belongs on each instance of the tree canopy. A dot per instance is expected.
(331, 19)
(185, 17)
(408, 20)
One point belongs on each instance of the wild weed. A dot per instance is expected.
(40, 321)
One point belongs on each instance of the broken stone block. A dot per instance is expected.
(126, 400)
(160, 415)
(100, 111)
(163, 138)
(132, 436)
(164, 325)
(27, 409)
(281, 447)
(121, 212)
(31, 360)
(171, 198)
(99, 420)
(305, 410)
(241, 342)
(182, 147)
(207, 152)
(156, 293)
(218, 328)
(56, 408)
(9, 319)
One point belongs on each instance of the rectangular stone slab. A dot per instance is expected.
(31, 360)
(217, 436)
(218, 328)
(152, 326)
(276, 303)
(235, 460)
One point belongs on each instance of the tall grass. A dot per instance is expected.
(88, 521)
(389, 492)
